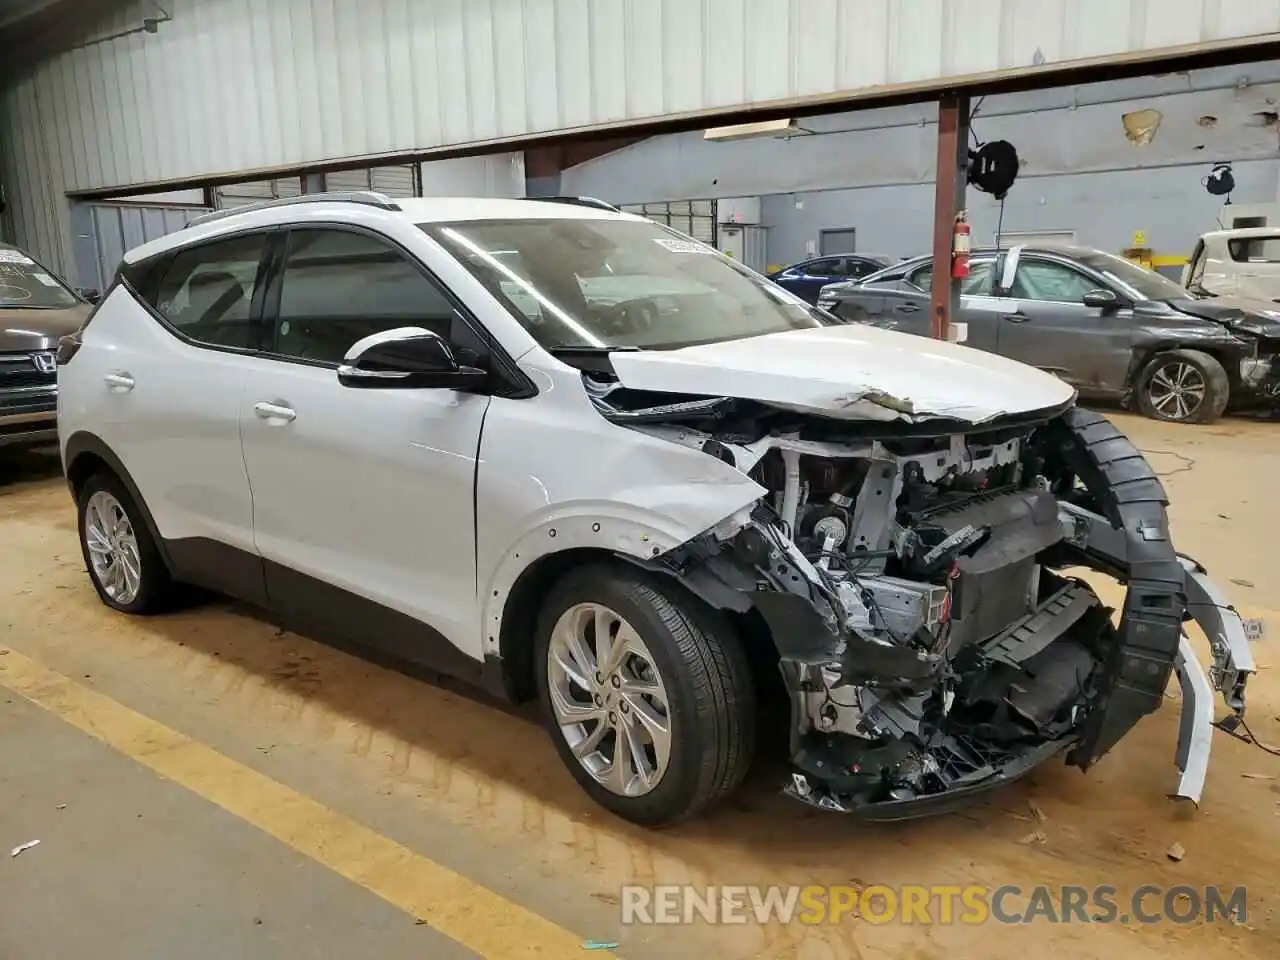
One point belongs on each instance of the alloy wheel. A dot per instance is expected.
(113, 547)
(1177, 390)
(609, 700)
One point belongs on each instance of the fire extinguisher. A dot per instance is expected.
(960, 248)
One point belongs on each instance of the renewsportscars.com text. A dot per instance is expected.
(937, 904)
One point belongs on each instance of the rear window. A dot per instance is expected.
(1255, 249)
(24, 283)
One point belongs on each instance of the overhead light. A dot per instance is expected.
(765, 128)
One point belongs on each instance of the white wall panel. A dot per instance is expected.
(249, 85)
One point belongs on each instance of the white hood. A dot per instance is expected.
(852, 372)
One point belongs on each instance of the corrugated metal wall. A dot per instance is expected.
(238, 85)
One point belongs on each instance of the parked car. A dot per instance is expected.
(36, 310)
(1110, 328)
(1243, 262)
(676, 514)
(806, 278)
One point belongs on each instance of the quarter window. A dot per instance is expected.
(340, 286)
(1054, 282)
(206, 292)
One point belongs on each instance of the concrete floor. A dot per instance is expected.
(479, 790)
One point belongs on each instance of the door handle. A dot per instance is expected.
(119, 381)
(906, 308)
(273, 411)
(1016, 317)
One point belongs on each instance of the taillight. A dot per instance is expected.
(68, 347)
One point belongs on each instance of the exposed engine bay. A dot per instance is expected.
(917, 585)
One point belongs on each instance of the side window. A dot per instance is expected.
(978, 283)
(862, 268)
(1044, 280)
(206, 292)
(339, 287)
(823, 268)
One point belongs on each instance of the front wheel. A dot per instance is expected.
(647, 694)
(1184, 386)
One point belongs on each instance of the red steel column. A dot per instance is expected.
(953, 160)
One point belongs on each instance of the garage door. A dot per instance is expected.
(239, 194)
(395, 181)
(697, 218)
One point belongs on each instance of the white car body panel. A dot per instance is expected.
(852, 372)
(178, 428)
(364, 487)
(554, 475)
(1217, 272)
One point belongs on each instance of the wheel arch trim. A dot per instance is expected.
(83, 444)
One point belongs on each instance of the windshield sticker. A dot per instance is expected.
(14, 256)
(44, 278)
(682, 246)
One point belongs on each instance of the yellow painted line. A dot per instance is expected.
(462, 910)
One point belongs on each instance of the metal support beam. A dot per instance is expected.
(953, 159)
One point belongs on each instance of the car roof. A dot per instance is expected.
(415, 209)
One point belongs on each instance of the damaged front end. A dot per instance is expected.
(915, 580)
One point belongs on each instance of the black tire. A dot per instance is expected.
(156, 591)
(708, 682)
(1166, 367)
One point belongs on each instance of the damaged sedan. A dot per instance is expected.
(571, 455)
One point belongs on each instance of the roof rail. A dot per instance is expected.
(580, 202)
(368, 198)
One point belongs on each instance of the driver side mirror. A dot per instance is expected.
(1108, 301)
(91, 294)
(407, 358)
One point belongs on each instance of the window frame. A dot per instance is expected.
(508, 379)
(148, 274)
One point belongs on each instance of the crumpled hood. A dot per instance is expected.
(852, 372)
(1260, 317)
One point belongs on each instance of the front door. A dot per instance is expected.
(911, 310)
(1044, 322)
(363, 499)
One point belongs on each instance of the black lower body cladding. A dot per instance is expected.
(1123, 488)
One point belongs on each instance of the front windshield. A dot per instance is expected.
(1140, 283)
(24, 283)
(597, 283)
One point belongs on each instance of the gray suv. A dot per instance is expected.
(36, 310)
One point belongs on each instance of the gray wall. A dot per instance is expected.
(1080, 170)
(1104, 209)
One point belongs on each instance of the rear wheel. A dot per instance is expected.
(647, 694)
(122, 558)
(1184, 386)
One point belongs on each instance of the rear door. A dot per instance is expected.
(164, 392)
(911, 309)
(1043, 322)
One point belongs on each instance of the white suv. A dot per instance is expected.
(570, 454)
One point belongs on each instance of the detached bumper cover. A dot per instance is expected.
(1228, 674)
